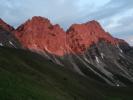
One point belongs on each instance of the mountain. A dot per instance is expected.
(85, 48)
(6, 37)
(97, 53)
(85, 62)
(26, 75)
(81, 36)
(40, 35)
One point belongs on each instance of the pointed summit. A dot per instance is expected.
(94, 22)
(40, 35)
(94, 25)
(35, 24)
(81, 36)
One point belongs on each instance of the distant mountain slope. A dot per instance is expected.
(6, 26)
(29, 76)
(6, 37)
(8, 40)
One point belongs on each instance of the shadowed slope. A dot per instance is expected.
(28, 76)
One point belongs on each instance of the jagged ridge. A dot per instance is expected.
(40, 35)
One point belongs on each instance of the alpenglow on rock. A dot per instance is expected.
(84, 48)
(39, 34)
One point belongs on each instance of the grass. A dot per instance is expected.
(28, 76)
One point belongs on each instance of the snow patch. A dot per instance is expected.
(85, 58)
(47, 49)
(119, 48)
(1, 44)
(121, 51)
(12, 44)
(102, 55)
(117, 85)
(97, 59)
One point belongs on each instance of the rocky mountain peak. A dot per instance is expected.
(40, 35)
(81, 36)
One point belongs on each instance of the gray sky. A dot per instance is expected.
(116, 16)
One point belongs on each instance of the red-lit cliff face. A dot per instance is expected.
(6, 26)
(39, 34)
(81, 36)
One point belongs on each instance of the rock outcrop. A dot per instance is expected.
(40, 35)
(81, 36)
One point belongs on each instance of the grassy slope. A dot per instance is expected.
(28, 76)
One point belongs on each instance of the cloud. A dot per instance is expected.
(112, 8)
(116, 16)
(129, 39)
(15, 11)
(64, 12)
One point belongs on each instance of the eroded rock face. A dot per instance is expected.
(81, 36)
(39, 34)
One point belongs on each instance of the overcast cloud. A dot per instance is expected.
(116, 16)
